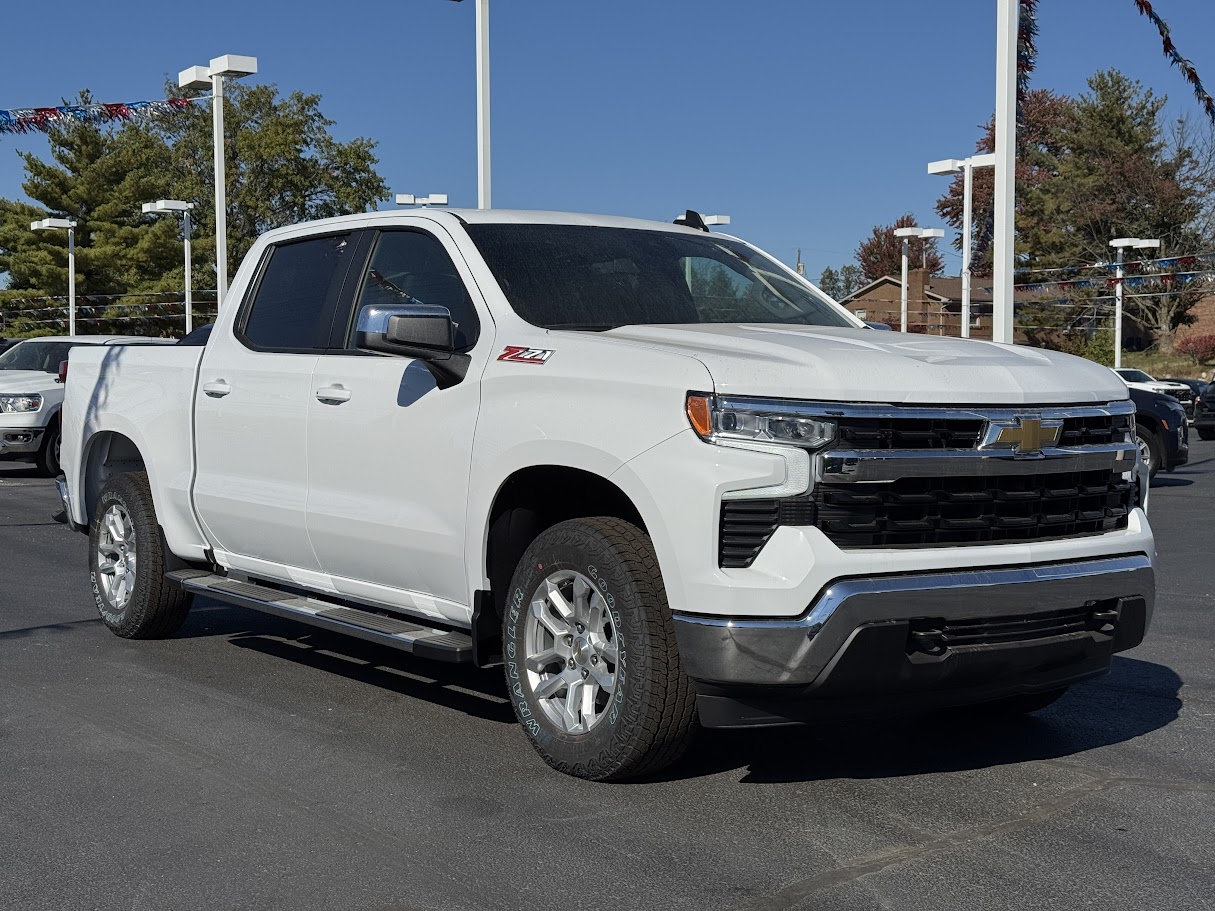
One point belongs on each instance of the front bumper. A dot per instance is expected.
(19, 441)
(861, 643)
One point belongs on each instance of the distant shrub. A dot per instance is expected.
(1199, 348)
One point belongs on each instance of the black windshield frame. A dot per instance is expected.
(591, 277)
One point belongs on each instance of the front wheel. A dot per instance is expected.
(47, 459)
(1150, 449)
(127, 559)
(590, 655)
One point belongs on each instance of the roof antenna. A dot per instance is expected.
(692, 219)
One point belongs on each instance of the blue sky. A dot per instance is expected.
(807, 121)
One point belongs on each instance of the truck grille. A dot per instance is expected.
(928, 512)
(884, 434)
(913, 512)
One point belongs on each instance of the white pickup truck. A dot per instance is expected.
(654, 473)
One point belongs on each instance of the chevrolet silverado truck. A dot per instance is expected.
(653, 473)
(31, 393)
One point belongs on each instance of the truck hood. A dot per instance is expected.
(864, 365)
(17, 381)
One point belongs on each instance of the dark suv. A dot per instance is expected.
(1204, 412)
(1160, 426)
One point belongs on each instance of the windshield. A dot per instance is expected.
(586, 277)
(1135, 376)
(34, 355)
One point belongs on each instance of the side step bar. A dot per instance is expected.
(423, 641)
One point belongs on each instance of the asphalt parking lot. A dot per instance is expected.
(253, 763)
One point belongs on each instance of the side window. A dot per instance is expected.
(295, 298)
(411, 267)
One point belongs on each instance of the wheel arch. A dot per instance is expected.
(536, 497)
(108, 453)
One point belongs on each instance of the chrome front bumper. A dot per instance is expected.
(803, 652)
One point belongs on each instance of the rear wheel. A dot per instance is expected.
(127, 559)
(1150, 448)
(590, 655)
(1206, 433)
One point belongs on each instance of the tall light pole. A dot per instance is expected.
(1006, 162)
(176, 205)
(212, 77)
(967, 168)
(1120, 244)
(482, 103)
(906, 234)
(51, 224)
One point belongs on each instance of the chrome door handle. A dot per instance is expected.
(333, 395)
(217, 389)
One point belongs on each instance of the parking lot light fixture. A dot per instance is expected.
(177, 205)
(410, 199)
(966, 167)
(55, 224)
(1121, 244)
(906, 234)
(212, 77)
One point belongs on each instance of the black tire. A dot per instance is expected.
(1024, 704)
(154, 608)
(650, 716)
(1206, 433)
(1154, 446)
(47, 459)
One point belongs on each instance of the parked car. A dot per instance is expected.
(1161, 431)
(1196, 387)
(197, 336)
(1137, 379)
(1204, 413)
(651, 471)
(31, 393)
(6, 343)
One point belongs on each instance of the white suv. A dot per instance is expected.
(31, 393)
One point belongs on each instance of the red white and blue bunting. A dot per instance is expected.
(1175, 58)
(31, 120)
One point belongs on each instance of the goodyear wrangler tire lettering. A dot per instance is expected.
(591, 662)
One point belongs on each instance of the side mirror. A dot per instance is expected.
(421, 331)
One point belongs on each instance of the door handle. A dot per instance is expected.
(333, 395)
(217, 389)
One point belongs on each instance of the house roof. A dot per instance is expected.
(945, 289)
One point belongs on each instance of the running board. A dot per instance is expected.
(423, 641)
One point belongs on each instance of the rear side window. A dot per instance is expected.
(411, 267)
(293, 305)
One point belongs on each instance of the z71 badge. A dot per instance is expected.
(517, 354)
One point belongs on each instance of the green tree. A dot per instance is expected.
(882, 253)
(839, 283)
(283, 166)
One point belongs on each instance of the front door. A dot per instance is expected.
(252, 403)
(389, 453)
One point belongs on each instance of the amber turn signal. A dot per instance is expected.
(699, 414)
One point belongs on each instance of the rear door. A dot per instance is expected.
(389, 453)
(252, 403)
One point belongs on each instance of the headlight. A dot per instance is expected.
(12, 404)
(757, 421)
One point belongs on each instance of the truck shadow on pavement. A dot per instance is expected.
(1136, 698)
(474, 691)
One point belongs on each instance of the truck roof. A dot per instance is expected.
(486, 216)
(100, 339)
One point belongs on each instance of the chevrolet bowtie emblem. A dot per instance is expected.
(1026, 437)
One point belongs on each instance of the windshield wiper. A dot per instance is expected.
(584, 327)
